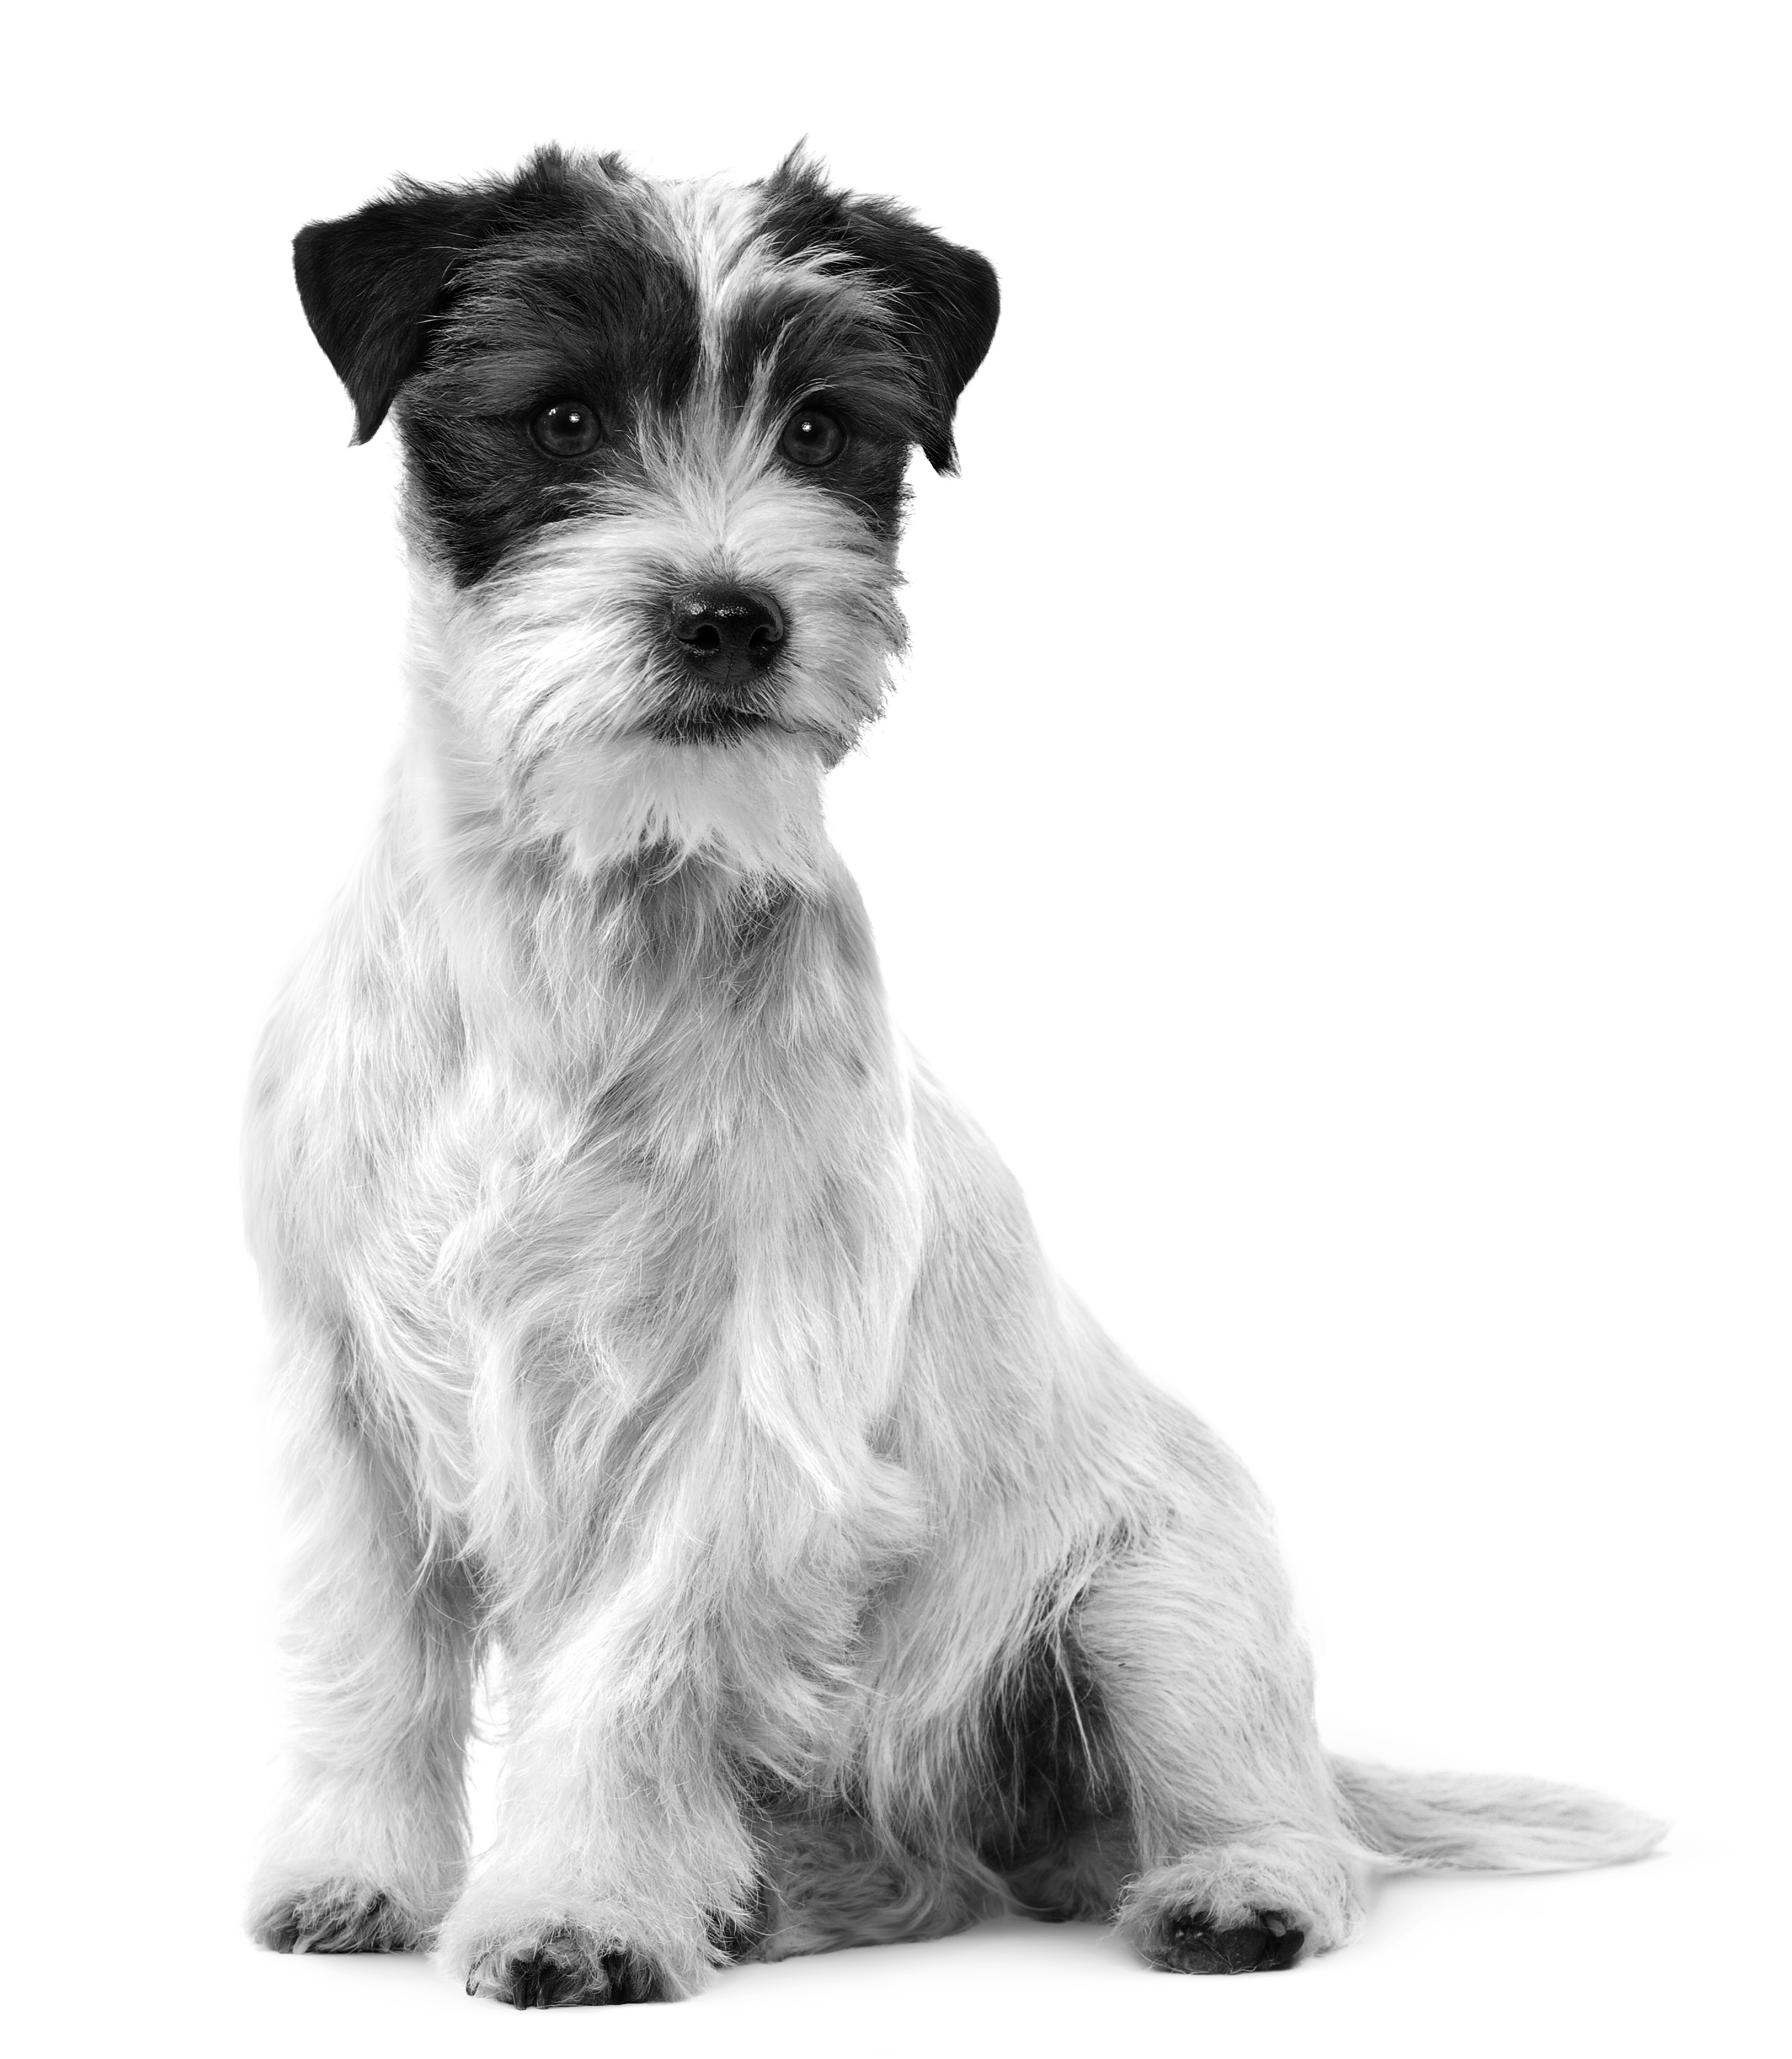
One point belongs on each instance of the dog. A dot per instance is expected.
(647, 1316)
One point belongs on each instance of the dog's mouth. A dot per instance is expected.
(695, 714)
(727, 642)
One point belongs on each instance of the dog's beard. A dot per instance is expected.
(556, 682)
(751, 806)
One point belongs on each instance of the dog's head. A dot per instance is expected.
(655, 437)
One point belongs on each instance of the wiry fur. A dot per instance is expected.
(645, 1309)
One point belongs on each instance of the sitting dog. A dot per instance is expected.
(646, 1313)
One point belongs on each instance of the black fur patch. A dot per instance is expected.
(370, 283)
(594, 309)
(1051, 1827)
(795, 345)
(471, 308)
(946, 297)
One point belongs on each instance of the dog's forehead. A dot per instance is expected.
(750, 251)
(717, 231)
(662, 282)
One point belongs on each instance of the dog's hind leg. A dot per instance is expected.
(368, 1843)
(1244, 1863)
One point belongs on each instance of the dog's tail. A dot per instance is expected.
(1487, 1822)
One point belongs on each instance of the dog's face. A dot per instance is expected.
(655, 439)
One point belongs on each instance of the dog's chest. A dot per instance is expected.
(689, 1185)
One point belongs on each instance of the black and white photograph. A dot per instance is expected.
(900, 1028)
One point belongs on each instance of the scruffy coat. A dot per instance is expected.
(646, 1310)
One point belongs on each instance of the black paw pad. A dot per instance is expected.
(336, 1919)
(1192, 1943)
(562, 1969)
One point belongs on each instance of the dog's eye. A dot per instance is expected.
(567, 429)
(812, 437)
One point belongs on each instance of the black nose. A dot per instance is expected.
(727, 631)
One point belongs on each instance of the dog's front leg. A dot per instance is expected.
(679, 1593)
(622, 1867)
(369, 1843)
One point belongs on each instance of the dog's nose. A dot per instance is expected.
(726, 631)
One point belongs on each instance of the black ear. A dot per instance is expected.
(947, 299)
(370, 283)
(945, 296)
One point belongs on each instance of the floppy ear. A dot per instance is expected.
(370, 283)
(947, 302)
(945, 296)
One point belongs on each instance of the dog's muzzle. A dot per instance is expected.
(725, 641)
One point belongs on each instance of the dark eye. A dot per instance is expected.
(567, 429)
(811, 437)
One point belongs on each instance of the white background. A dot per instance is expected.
(1332, 831)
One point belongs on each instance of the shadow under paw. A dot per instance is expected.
(336, 1918)
(1191, 1943)
(565, 1969)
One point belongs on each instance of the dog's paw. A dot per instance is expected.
(564, 1968)
(335, 1916)
(1248, 1907)
(1190, 1941)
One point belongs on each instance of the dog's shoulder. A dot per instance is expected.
(364, 1038)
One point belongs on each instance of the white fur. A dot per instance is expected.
(644, 1309)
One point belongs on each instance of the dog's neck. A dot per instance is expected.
(571, 969)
